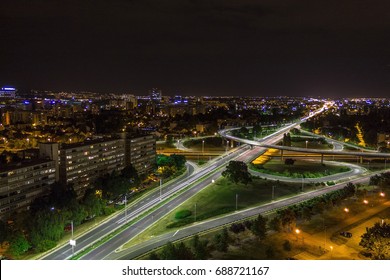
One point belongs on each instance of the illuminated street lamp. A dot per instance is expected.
(306, 143)
(346, 210)
(331, 251)
(382, 194)
(202, 147)
(365, 201)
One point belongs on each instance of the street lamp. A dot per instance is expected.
(236, 200)
(72, 242)
(331, 251)
(195, 212)
(202, 147)
(306, 143)
(382, 194)
(160, 188)
(273, 192)
(125, 207)
(346, 210)
(365, 201)
(227, 145)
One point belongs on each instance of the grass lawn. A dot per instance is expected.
(220, 198)
(308, 168)
(311, 144)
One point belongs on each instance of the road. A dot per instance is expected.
(136, 209)
(355, 170)
(106, 249)
(200, 180)
(263, 143)
(158, 241)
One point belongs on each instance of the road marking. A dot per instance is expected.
(175, 233)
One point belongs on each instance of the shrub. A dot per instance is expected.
(183, 214)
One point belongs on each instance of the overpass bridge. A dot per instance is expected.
(225, 133)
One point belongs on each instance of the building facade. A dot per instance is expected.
(20, 184)
(141, 152)
(81, 164)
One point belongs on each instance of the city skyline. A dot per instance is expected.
(198, 48)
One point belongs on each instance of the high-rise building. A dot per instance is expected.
(80, 164)
(155, 95)
(7, 92)
(21, 183)
(140, 152)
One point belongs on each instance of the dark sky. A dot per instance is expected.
(198, 47)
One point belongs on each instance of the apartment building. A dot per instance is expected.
(23, 182)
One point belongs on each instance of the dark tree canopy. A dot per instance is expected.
(377, 240)
(237, 172)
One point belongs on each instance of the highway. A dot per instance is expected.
(108, 248)
(262, 143)
(136, 209)
(157, 204)
(158, 241)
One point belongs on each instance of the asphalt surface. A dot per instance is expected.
(116, 242)
(158, 241)
(135, 208)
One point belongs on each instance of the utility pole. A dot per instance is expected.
(236, 201)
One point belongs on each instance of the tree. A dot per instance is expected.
(131, 173)
(92, 204)
(200, 248)
(168, 252)
(178, 160)
(183, 252)
(257, 129)
(18, 245)
(154, 256)
(259, 227)
(377, 240)
(276, 224)
(237, 172)
(221, 241)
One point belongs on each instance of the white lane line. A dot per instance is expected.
(175, 233)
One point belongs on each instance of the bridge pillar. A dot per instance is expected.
(322, 158)
(281, 155)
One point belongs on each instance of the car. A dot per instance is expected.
(346, 234)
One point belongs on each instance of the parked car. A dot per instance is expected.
(346, 234)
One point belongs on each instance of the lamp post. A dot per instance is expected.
(202, 147)
(72, 242)
(227, 145)
(273, 192)
(236, 201)
(331, 251)
(302, 183)
(125, 207)
(297, 231)
(195, 212)
(306, 143)
(160, 188)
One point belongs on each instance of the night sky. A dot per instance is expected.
(198, 47)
